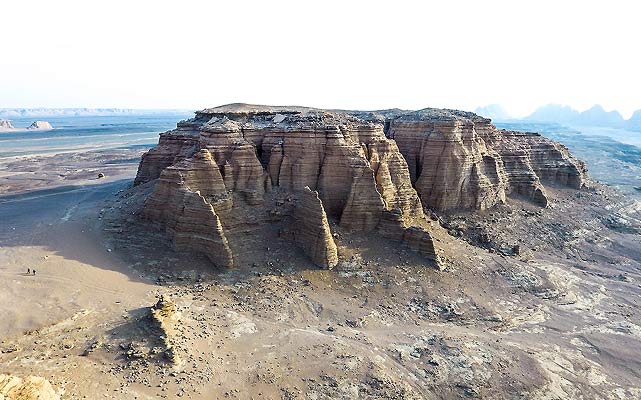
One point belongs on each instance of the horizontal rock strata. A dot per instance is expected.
(311, 230)
(458, 160)
(178, 203)
(29, 388)
(416, 238)
(219, 174)
(241, 157)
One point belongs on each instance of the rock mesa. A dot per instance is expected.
(5, 124)
(231, 171)
(232, 168)
(40, 126)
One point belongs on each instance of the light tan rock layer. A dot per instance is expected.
(29, 388)
(182, 203)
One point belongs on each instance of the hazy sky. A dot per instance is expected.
(339, 54)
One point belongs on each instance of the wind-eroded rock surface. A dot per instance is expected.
(311, 231)
(459, 160)
(372, 172)
(232, 168)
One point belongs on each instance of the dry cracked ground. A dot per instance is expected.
(533, 304)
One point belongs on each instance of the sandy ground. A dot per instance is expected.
(54, 229)
(557, 319)
(48, 231)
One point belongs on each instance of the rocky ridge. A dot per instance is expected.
(164, 316)
(231, 169)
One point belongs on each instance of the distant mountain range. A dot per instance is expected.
(77, 112)
(495, 112)
(595, 116)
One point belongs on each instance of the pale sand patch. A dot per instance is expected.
(74, 272)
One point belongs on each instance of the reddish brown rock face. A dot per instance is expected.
(363, 171)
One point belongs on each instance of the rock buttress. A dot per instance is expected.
(416, 238)
(172, 147)
(311, 230)
(198, 228)
(550, 161)
(182, 203)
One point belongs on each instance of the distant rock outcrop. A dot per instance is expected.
(5, 124)
(634, 123)
(495, 112)
(40, 126)
(234, 168)
(554, 113)
(597, 116)
(29, 388)
(81, 112)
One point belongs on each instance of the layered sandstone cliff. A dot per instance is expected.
(222, 171)
(226, 171)
(183, 203)
(5, 124)
(28, 388)
(458, 160)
